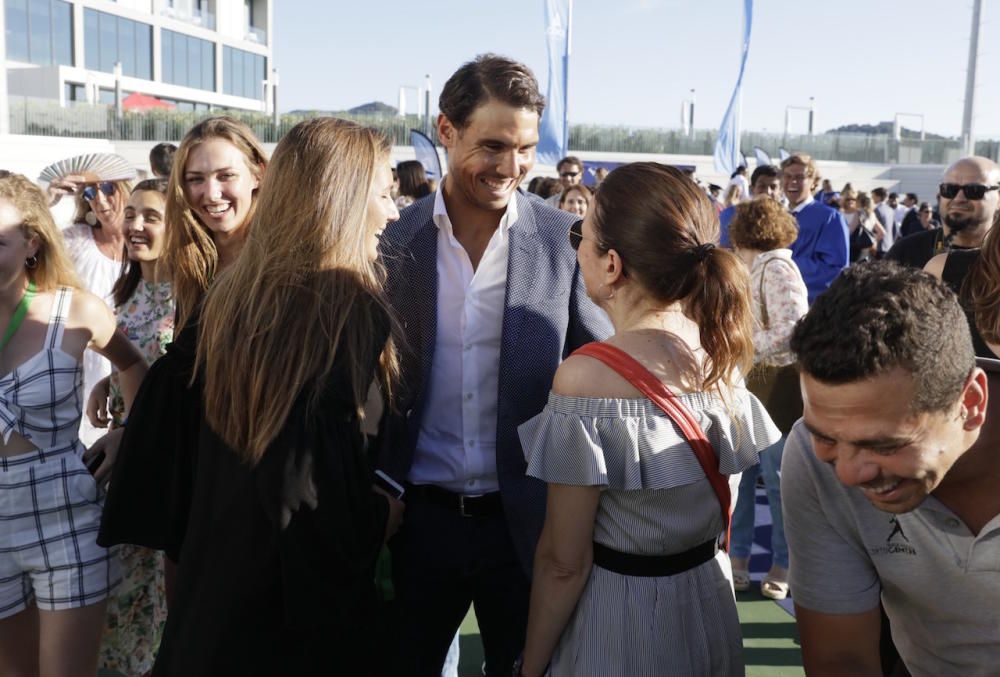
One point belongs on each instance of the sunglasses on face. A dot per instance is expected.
(973, 191)
(569, 175)
(106, 187)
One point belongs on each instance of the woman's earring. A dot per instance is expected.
(91, 219)
(31, 262)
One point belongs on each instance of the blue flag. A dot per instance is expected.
(553, 130)
(426, 154)
(727, 146)
(762, 157)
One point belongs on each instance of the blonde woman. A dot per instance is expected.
(285, 528)
(54, 578)
(211, 199)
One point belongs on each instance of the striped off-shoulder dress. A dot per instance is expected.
(656, 500)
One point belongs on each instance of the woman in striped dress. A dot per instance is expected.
(628, 577)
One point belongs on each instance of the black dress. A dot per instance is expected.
(253, 597)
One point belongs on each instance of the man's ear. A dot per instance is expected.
(975, 399)
(447, 132)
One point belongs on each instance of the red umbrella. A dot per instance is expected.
(143, 102)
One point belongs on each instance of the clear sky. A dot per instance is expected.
(635, 61)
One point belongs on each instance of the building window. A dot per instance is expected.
(39, 32)
(108, 38)
(188, 61)
(75, 93)
(243, 73)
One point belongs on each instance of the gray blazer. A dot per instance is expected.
(546, 316)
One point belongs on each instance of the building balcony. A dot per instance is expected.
(258, 35)
(194, 17)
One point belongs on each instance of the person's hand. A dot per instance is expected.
(396, 509)
(97, 403)
(108, 445)
(65, 185)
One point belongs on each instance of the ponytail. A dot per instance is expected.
(665, 229)
(718, 300)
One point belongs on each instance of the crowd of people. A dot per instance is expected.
(295, 415)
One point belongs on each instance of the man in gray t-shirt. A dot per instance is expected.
(889, 483)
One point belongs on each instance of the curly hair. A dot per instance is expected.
(881, 316)
(762, 224)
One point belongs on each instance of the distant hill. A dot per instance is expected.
(373, 108)
(883, 128)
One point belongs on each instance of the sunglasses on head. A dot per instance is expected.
(973, 191)
(106, 187)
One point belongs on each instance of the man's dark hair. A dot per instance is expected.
(569, 160)
(769, 171)
(893, 196)
(161, 158)
(913, 196)
(488, 76)
(879, 316)
(879, 192)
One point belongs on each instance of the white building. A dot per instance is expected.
(197, 54)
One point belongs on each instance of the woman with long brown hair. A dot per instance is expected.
(628, 576)
(54, 577)
(285, 528)
(211, 198)
(210, 202)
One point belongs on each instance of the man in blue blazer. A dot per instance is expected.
(490, 300)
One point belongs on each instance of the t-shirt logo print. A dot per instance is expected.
(896, 543)
(897, 528)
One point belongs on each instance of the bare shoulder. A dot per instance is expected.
(936, 265)
(582, 376)
(88, 310)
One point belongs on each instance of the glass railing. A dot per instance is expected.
(195, 17)
(258, 35)
(45, 117)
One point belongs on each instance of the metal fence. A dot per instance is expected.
(44, 117)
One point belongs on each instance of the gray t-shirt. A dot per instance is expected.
(940, 585)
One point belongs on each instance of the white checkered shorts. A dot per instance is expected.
(50, 511)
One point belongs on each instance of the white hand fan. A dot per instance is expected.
(94, 166)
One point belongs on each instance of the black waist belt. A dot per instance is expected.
(628, 564)
(466, 506)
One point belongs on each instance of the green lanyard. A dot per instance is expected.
(18, 318)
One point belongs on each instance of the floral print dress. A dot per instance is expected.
(138, 611)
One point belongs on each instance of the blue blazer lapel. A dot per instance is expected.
(419, 310)
(523, 256)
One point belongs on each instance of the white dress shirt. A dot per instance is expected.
(456, 446)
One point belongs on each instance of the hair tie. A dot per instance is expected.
(702, 251)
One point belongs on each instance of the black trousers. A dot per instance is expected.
(443, 562)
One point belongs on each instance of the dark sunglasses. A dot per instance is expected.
(106, 187)
(569, 175)
(973, 191)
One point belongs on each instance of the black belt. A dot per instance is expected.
(628, 564)
(466, 506)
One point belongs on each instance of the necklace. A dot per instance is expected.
(18, 317)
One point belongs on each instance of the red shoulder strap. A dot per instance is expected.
(650, 386)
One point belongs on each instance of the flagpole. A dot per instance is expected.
(569, 52)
